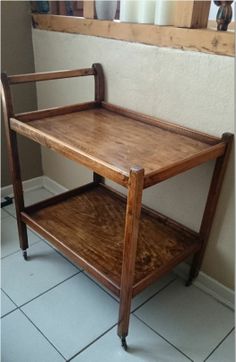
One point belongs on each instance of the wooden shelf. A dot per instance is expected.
(89, 228)
(202, 40)
(161, 149)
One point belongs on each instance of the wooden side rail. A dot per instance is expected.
(96, 71)
(42, 76)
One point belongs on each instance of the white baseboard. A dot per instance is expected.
(34, 184)
(208, 285)
(28, 185)
(204, 282)
(53, 186)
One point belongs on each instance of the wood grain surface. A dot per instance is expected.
(201, 40)
(105, 140)
(91, 225)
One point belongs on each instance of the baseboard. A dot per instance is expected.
(34, 184)
(53, 186)
(28, 185)
(209, 285)
(204, 282)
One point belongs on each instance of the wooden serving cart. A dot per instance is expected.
(124, 245)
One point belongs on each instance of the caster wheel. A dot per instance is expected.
(123, 343)
(25, 255)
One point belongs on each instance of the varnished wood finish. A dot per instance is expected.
(110, 143)
(210, 208)
(89, 228)
(133, 211)
(192, 13)
(165, 125)
(201, 40)
(14, 163)
(99, 82)
(95, 226)
(56, 111)
(59, 198)
(42, 76)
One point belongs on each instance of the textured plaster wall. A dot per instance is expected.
(189, 88)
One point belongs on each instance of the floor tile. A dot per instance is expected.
(3, 214)
(226, 351)
(191, 320)
(22, 342)
(151, 290)
(73, 314)
(30, 197)
(6, 304)
(143, 296)
(27, 279)
(143, 345)
(10, 239)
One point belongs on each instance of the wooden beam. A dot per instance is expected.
(202, 40)
(192, 14)
(89, 9)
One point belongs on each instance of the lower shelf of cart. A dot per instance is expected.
(89, 228)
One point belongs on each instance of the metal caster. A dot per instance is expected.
(25, 255)
(123, 343)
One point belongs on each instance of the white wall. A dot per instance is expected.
(189, 88)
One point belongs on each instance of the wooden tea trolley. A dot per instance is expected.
(124, 245)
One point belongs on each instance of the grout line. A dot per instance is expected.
(48, 290)
(152, 296)
(179, 350)
(91, 343)
(42, 334)
(219, 344)
(20, 250)
(16, 306)
(39, 295)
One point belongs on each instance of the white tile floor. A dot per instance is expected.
(52, 311)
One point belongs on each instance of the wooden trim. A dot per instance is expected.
(78, 260)
(153, 121)
(165, 173)
(144, 283)
(55, 111)
(202, 40)
(42, 76)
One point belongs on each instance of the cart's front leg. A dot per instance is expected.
(14, 162)
(133, 210)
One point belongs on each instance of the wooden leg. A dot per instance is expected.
(133, 210)
(18, 195)
(14, 163)
(98, 178)
(210, 208)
